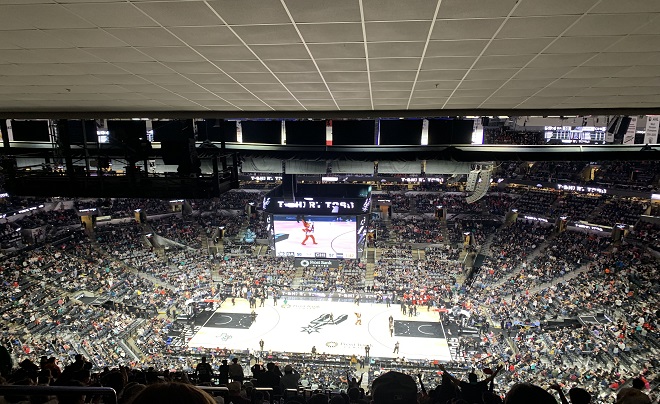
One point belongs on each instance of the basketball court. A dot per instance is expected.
(298, 325)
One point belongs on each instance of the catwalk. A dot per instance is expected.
(331, 327)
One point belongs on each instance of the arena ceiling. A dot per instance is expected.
(321, 55)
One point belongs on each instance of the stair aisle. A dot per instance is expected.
(369, 275)
(297, 278)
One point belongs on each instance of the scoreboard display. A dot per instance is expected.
(307, 236)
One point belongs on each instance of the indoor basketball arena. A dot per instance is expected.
(369, 201)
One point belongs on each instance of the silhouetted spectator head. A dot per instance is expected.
(172, 393)
(472, 377)
(288, 369)
(338, 400)
(71, 398)
(28, 365)
(130, 391)
(579, 396)
(115, 380)
(394, 387)
(234, 388)
(353, 393)
(44, 377)
(524, 393)
(638, 383)
(631, 395)
(318, 399)
(492, 398)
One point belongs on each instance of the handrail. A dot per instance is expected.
(211, 388)
(49, 390)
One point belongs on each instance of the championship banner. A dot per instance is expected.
(652, 124)
(610, 129)
(328, 132)
(629, 137)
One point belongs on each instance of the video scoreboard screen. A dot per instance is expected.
(305, 236)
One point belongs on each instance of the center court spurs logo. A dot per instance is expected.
(324, 319)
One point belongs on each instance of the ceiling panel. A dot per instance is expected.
(396, 10)
(478, 28)
(32, 39)
(395, 49)
(192, 67)
(260, 11)
(345, 77)
(45, 16)
(172, 53)
(309, 77)
(491, 74)
(609, 24)
(587, 44)
(523, 46)
(242, 66)
(316, 11)
(407, 76)
(485, 84)
(320, 94)
(564, 59)
(211, 35)
(338, 50)
(145, 36)
(144, 67)
(503, 61)
(268, 34)
(390, 86)
(394, 64)
(547, 72)
(291, 66)
(336, 87)
(111, 15)
(397, 31)
(432, 75)
(342, 65)
(530, 27)
(449, 62)
(225, 52)
(475, 8)
(87, 38)
(292, 51)
(636, 43)
(455, 48)
(554, 7)
(179, 13)
(628, 6)
(586, 72)
(325, 33)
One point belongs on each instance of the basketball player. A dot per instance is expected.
(358, 318)
(396, 348)
(308, 229)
